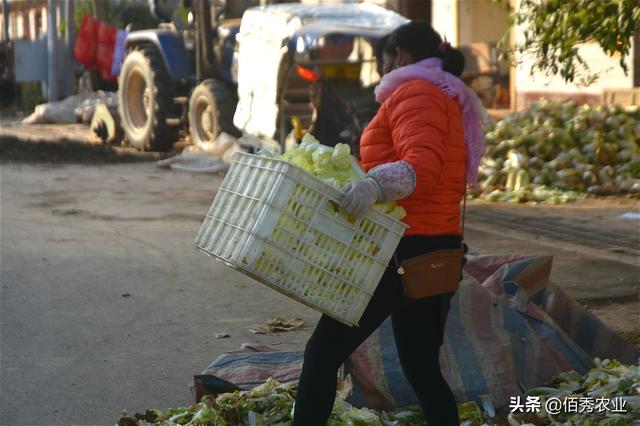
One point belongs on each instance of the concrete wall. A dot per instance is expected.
(469, 21)
(480, 21)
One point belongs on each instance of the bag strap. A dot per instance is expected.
(464, 209)
(464, 199)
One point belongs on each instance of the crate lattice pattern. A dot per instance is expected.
(281, 226)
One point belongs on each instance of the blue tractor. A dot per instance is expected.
(173, 76)
(313, 65)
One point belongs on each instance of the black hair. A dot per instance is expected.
(378, 49)
(421, 41)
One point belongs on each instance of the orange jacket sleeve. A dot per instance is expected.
(417, 115)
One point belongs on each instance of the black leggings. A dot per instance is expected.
(418, 328)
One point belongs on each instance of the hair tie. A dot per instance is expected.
(444, 46)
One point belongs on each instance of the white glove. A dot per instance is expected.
(360, 196)
(396, 180)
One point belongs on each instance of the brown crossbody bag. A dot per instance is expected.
(433, 273)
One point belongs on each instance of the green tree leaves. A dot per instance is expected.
(555, 28)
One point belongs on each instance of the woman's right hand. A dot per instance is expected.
(360, 196)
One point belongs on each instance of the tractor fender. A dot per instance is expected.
(171, 48)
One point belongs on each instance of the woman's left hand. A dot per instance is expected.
(360, 196)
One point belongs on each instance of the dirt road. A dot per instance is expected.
(105, 305)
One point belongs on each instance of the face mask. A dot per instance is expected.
(400, 60)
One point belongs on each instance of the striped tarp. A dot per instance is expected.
(254, 364)
(508, 329)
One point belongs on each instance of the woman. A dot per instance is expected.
(422, 145)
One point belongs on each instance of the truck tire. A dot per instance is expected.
(211, 108)
(145, 97)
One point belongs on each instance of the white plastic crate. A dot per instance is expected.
(279, 225)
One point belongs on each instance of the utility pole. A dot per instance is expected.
(69, 38)
(52, 51)
(5, 15)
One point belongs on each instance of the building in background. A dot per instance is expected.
(472, 23)
(476, 26)
(612, 84)
(27, 20)
(35, 46)
(22, 23)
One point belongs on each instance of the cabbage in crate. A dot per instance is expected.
(283, 226)
(335, 166)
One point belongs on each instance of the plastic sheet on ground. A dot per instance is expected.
(72, 109)
(85, 110)
(509, 329)
(630, 216)
(205, 158)
(253, 364)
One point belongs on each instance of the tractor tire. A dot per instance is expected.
(211, 108)
(146, 101)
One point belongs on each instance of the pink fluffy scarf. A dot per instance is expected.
(473, 113)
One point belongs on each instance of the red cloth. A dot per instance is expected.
(87, 42)
(106, 45)
(421, 125)
(95, 45)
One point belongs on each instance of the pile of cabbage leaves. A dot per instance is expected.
(273, 404)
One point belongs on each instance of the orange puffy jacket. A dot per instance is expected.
(421, 125)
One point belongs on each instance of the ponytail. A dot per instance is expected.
(452, 60)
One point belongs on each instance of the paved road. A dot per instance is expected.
(105, 304)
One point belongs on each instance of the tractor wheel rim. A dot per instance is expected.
(146, 99)
(205, 121)
(138, 101)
